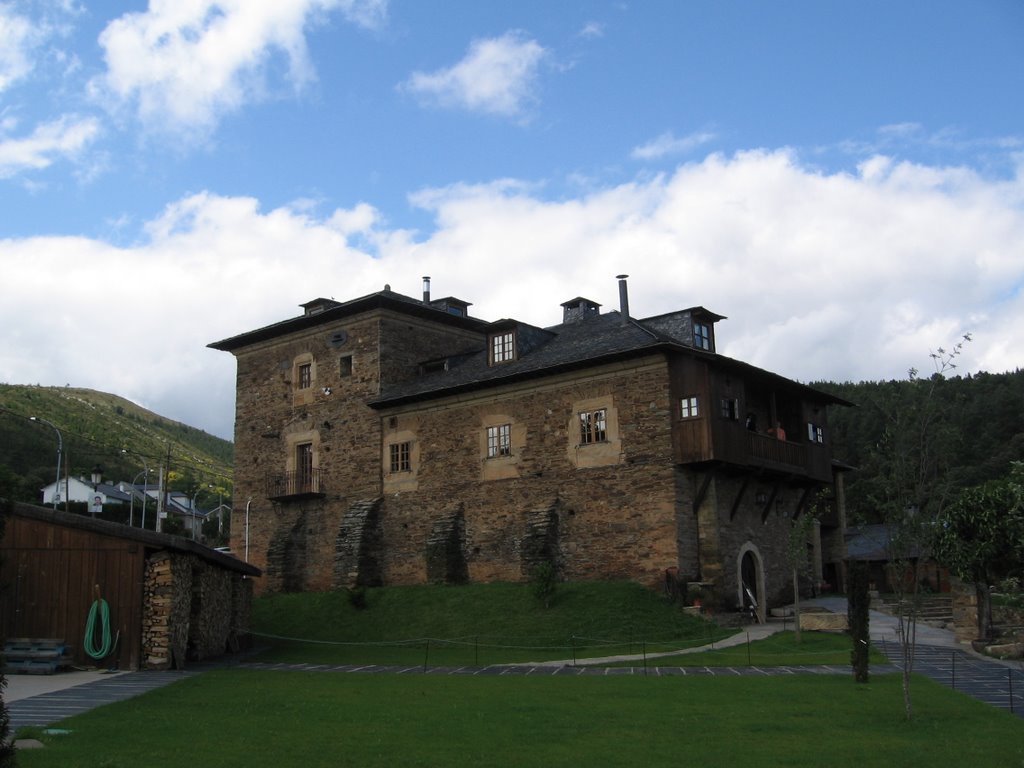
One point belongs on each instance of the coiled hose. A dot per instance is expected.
(100, 607)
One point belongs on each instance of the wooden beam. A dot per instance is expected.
(703, 490)
(802, 504)
(739, 498)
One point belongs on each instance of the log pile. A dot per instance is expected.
(191, 610)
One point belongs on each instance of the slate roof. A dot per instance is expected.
(592, 340)
(333, 311)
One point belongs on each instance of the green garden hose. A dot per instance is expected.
(99, 606)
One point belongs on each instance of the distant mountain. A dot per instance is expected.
(103, 430)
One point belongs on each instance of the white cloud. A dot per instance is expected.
(668, 144)
(183, 65)
(497, 76)
(823, 276)
(17, 41)
(65, 137)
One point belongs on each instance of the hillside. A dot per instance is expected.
(100, 429)
(978, 430)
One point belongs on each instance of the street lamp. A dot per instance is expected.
(131, 510)
(60, 448)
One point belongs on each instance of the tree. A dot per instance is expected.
(980, 537)
(913, 457)
(799, 560)
(858, 617)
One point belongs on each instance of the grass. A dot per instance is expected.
(257, 719)
(475, 624)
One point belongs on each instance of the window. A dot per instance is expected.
(499, 441)
(688, 408)
(815, 433)
(305, 375)
(702, 336)
(593, 426)
(400, 461)
(304, 467)
(730, 408)
(345, 366)
(503, 347)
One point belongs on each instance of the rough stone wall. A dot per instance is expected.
(299, 538)
(615, 520)
(358, 549)
(722, 540)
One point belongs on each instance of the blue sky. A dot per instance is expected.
(842, 180)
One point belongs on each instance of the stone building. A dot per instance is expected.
(396, 440)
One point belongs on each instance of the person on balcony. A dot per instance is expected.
(777, 431)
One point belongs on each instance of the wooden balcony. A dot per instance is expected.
(709, 440)
(295, 486)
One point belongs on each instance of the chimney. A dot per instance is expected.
(623, 298)
(426, 289)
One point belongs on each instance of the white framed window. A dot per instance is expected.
(815, 433)
(689, 407)
(499, 441)
(503, 347)
(593, 426)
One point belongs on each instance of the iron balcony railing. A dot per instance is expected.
(294, 485)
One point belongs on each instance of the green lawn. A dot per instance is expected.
(274, 719)
(476, 624)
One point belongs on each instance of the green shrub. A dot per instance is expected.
(544, 582)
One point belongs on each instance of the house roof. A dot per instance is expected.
(148, 538)
(589, 340)
(333, 311)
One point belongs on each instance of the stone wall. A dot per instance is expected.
(192, 610)
(615, 512)
(294, 543)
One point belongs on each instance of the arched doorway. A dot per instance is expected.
(750, 578)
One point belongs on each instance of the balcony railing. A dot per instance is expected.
(294, 485)
(702, 440)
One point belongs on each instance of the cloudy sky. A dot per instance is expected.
(844, 181)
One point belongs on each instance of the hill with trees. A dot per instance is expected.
(976, 431)
(106, 431)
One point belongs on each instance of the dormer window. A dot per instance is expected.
(503, 347)
(702, 336)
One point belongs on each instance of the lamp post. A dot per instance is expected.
(60, 449)
(131, 509)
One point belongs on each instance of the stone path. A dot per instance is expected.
(998, 684)
(48, 708)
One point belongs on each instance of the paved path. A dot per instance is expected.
(48, 708)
